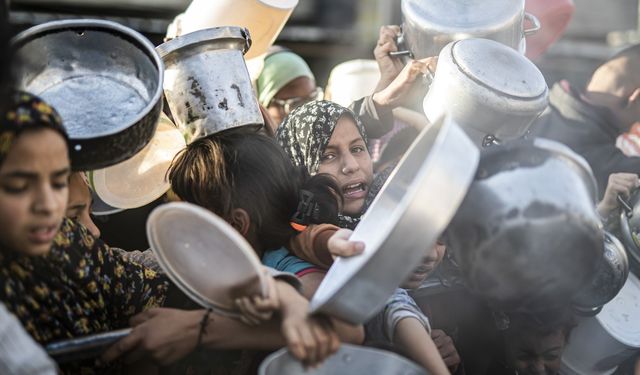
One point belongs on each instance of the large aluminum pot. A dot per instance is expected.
(630, 228)
(349, 360)
(492, 91)
(207, 84)
(429, 25)
(263, 18)
(103, 78)
(610, 276)
(407, 217)
(527, 235)
(598, 345)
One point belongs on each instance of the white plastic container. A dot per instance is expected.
(352, 80)
(264, 19)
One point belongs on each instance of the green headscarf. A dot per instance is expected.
(280, 68)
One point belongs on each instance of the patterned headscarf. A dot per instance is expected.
(305, 134)
(26, 112)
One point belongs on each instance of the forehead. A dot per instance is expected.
(78, 190)
(345, 132)
(299, 87)
(37, 151)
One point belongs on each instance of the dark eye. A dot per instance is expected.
(15, 189)
(327, 157)
(59, 185)
(357, 149)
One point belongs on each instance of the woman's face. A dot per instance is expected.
(79, 205)
(33, 191)
(346, 159)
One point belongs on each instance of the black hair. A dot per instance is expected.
(243, 169)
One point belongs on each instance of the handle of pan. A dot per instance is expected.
(625, 205)
(534, 21)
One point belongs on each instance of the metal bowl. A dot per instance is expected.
(103, 78)
(349, 360)
(409, 214)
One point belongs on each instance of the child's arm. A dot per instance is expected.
(320, 243)
(413, 339)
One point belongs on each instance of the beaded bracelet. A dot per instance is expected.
(203, 326)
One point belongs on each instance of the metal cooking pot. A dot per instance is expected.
(349, 360)
(103, 78)
(527, 236)
(630, 228)
(207, 84)
(429, 25)
(611, 274)
(492, 91)
(598, 345)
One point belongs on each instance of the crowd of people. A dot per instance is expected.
(294, 190)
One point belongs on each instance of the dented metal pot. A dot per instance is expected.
(527, 236)
(207, 84)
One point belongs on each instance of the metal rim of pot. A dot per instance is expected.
(115, 144)
(237, 37)
(629, 235)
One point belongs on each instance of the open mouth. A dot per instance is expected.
(43, 234)
(354, 191)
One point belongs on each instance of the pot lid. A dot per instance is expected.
(499, 68)
(462, 15)
(141, 179)
(204, 256)
(620, 316)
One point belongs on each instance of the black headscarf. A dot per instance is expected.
(305, 134)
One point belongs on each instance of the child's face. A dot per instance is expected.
(79, 206)
(431, 260)
(33, 191)
(535, 354)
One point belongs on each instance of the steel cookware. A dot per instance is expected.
(86, 347)
(429, 25)
(630, 228)
(527, 236)
(407, 217)
(204, 256)
(103, 78)
(610, 275)
(348, 360)
(598, 345)
(207, 84)
(491, 91)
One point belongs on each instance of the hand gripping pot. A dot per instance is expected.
(103, 78)
(349, 359)
(204, 256)
(207, 84)
(428, 26)
(408, 216)
(527, 236)
(490, 90)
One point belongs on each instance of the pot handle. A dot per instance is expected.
(536, 24)
(625, 205)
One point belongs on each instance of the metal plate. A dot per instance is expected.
(350, 359)
(409, 214)
(204, 256)
(86, 347)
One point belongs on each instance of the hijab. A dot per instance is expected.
(305, 134)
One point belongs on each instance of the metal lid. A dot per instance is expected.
(204, 256)
(227, 37)
(462, 16)
(499, 68)
(620, 316)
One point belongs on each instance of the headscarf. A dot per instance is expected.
(279, 69)
(305, 134)
(26, 112)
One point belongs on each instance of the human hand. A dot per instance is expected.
(446, 349)
(619, 184)
(161, 334)
(401, 88)
(389, 66)
(340, 246)
(310, 339)
(257, 309)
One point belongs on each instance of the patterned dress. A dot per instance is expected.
(80, 287)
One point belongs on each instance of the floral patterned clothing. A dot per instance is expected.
(80, 287)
